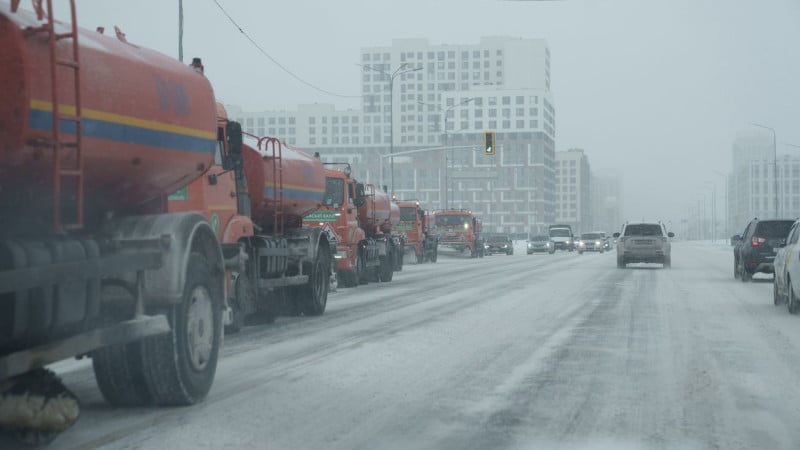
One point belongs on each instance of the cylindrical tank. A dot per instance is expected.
(303, 184)
(149, 121)
(374, 214)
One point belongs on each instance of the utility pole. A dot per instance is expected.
(180, 30)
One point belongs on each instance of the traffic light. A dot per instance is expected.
(488, 143)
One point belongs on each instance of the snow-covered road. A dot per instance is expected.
(540, 351)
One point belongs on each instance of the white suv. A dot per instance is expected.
(643, 242)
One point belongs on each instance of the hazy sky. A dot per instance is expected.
(654, 89)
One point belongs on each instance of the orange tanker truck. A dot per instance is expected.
(94, 134)
(416, 234)
(459, 229)
(266, 186)
(362, 219)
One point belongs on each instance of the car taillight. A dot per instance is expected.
(758, 241)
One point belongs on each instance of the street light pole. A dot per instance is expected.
(725, 177)
(447, 180)
(400, 70)
(775, 162)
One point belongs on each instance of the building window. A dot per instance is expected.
(506, 100)
(534, 111)
(312, 140)
(506, 124)
(520, 124)
(520, 112)
(312, 120)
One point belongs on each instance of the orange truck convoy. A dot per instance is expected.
(362, 218)
(138, 223)
(417, 234)
(459, 229)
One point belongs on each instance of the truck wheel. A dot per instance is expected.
(667, 262)
(243, 295)
(620, 262)
(735, 269)
(313, 296)
(179, 366)
(434, 255)
(119, 374)
(385, 270)
(362, 274)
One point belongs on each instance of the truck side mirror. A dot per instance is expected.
(616, 235)
(671, 234)
(360, 193)
(232, 139)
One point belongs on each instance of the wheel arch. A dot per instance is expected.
(185, 233)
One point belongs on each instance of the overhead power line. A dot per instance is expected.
(275, 61)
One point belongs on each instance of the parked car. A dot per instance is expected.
(786, 267)
(755, 250)
(541, 243)
(644, 242)
(499, 243)
(592, 242)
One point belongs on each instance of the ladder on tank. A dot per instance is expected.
(274, 146)
(63, 169)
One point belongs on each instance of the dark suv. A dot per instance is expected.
(754, 250)
(499, 243)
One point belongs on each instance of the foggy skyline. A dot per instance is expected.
(656, 91)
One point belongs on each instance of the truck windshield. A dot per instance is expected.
(559, 232)
(540, 238)
(334, 191)
(408, 214)
(451, 221)
(591, 236)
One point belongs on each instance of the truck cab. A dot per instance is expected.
(460, 230)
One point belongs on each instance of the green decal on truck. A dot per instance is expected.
(181, 194)
(404, 227)
(322, 216)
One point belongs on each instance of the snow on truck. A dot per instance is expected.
(459, 229)
(414, 228)
(361, 218)
(261, 184)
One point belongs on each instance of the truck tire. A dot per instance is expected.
(620, 262)
(120, 376)
(791, 302)
(385, 270)
(243, 295)
(434, 255)
(667, 262)
(361, 272)
(313, 296)
(735, 268)
(179, 366)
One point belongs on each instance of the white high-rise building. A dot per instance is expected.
(444, 95)
(573, 190)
